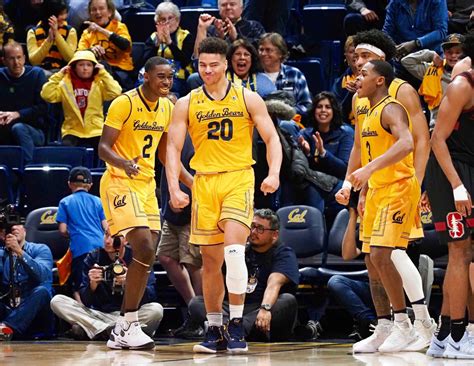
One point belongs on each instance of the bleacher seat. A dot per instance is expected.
(326, 2)
(324, 22)
(6, 191)
(63, 155)
(312, 69)
(41, 227)
(44, 186)
(96, 176)
(12, 157)
(137, 55)
(190, 16)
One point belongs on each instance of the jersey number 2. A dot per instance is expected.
(223, 130)
(149, 141)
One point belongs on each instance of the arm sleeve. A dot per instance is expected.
(61, 215)
(337, 163)
(284, 262)
(85, 41)
(109, 87)
(51, 91)
(36, 54)
(67, 46)
(38, 263)
(183, 55)
(390, 21)
(418, 62)
(355, 5)
(439, 19)
(303, 95)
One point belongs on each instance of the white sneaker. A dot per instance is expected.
(400, 337)
(424, 330)
(437, 347)
(127, 335)
(470, 330)
(372, 343)
(463, 349)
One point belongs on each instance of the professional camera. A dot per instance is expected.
(9, 217)
(114, 269)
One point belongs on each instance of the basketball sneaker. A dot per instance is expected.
(463, 349)
(129, 335)
(372, 343)
(237, 343)
(424, 330)
(213, 342)
(437, 347)
(401, 335)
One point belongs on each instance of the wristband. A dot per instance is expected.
(460, 193)
(347, 185)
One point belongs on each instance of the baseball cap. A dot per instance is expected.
(80, 174)
(452, 40)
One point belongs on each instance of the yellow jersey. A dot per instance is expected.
(376, 140)
(141, 124)
(221, 131)
(362, 105)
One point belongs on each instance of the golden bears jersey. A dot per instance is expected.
(362, 105)
(376, 140)
(141, 124)
(221, 131)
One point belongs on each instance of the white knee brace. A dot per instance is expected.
(237, 275)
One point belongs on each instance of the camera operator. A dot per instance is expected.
(26, 286)
(101, 293)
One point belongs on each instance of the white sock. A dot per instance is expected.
(421, 311)
(131, 316)
(411, 278)
(214, 319)
(236, 311)
(383, 321)
(400, 317)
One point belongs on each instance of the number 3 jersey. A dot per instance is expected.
(376, 140)
(141, 124)
(221, 131)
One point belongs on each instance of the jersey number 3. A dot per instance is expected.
(220, 130)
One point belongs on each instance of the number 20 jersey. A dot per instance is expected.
(221, 131)
(141, 124)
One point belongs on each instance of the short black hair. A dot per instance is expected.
(336, 121)
(378, 39)
(383, 68)
(270, 215)
(50, 8)
(156, 61)
(213, 45)
(468, 45)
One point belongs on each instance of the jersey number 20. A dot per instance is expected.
(223, 130)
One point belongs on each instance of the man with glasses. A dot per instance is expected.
(270, 310)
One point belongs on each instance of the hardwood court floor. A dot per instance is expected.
(66, 353)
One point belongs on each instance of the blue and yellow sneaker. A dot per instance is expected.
(236, 342)
(213, 342)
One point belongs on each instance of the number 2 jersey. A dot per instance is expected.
(221, 131)
(376, 140)
(141, 124)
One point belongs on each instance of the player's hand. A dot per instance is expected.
(425, 202)
(179, 199)
(361, 204)
(270, 184)
(342, 196)
(462, 200)
(360, 177)
(131, 167)
(263, 320)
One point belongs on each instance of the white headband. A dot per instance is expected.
(371, 48)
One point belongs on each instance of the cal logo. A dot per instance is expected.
(397, 217)
(296, 217)
(49, 217)
(119, 201)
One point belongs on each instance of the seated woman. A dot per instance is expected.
(327, 143)
(171, 42)
(52, 43)
(110, 41)
(244, 69)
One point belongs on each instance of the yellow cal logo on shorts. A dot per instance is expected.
(49, 217)
(295, 217)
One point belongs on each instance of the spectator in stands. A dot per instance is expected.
(273, 52)
(230, 27)
(460, 15)
(110, 41)
(270, 310)
(344, 86)
(434, 71)
(22, 110)
(243, 69)
(273, 14)
(78, 13)
(51, 44)
(364, 15)
(171, 42)
(81, 218)
(413, 25)
(6, 29)
(327, 142)
(24, 14)
(103, 278)
(25, 312)
(82, 87)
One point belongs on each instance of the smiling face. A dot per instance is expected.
(452, 55)
(170, 20)
(160, 79)
(231, 9)
(212, 67)
(100, 13)
(241, 62)
(323, 113)
(269, 54)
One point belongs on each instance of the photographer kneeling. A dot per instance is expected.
(101, 293)
(26, 286)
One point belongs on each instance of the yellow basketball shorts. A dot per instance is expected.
(218, 197)
(390, 214)
(129, 203)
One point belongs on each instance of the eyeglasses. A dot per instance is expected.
(260, 229)
(166, 20)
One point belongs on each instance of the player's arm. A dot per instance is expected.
(264, 124)
(175, 141)
(461, 66)
(349, 247)
(421, 136)
(184, 175)
(458, 95)
(394, 119)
